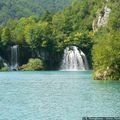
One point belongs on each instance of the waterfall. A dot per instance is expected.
(74, 59)
(14, 57)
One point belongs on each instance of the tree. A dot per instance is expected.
(5, 36)
(106, 55)
(35, 34)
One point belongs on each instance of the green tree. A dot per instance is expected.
(5, 36)
(35, 34)
(106, 55)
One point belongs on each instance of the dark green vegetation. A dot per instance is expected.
(24, 8)
(33, 64)
(106, 51)
(46, 37)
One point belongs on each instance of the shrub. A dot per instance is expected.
(32, 65)
(3, 69)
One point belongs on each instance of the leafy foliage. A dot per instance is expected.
(24, 8)
(106, 51)
(106, 55)
(53, 33)
(46, 37)
(33, 64)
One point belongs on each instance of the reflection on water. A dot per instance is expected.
(56, 95)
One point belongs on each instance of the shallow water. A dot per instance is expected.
(56, 95)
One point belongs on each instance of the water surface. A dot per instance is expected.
(56, 95)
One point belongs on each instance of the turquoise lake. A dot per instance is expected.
(57, 95)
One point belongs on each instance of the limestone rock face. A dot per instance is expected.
(102, 18)
(2, 63)
(103, 74)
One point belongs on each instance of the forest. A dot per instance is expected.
(42, 38)
(15, 9)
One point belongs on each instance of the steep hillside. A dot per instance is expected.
(93, 26)
(23, 8)
(106, 50)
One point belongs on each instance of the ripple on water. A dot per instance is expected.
(56, 95)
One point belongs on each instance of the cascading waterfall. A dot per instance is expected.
(14, 57)
(74, 59)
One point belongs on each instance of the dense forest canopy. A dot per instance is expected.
(51, 33)
(24, 8)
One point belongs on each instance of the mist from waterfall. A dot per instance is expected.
(74, 59)
(14, 57)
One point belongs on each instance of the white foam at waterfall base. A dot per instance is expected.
(14, 57)
(74, 60)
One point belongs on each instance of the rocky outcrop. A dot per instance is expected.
(3, 63)
(103, 74)
(102, 18)
(100, 75)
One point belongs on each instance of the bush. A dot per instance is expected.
(32, 65)
(106, 56)
(3, 69)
